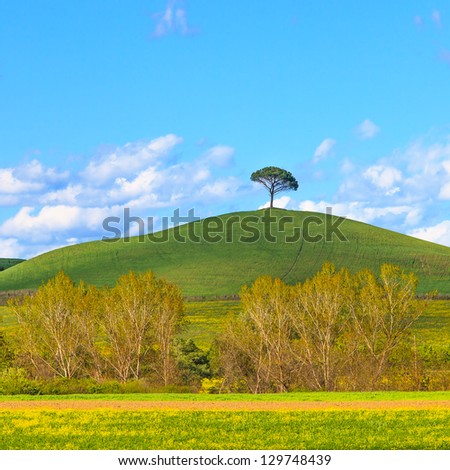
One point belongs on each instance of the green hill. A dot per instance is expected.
(6, 263)
(238, 248)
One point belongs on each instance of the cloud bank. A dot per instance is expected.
(58, 208)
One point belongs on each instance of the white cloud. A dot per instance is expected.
(324, 149)
(436, 17)
(414, 216)
(39, 227)
(222, 188)
(220, 155)
(426, 159)
(444, 192)
(439, 233)
(68, 195)
(129, 159)
(145, 182)
(9, 200)
(43, 225)
(383, 177)
(392, 191)
(418, 21)
(10, 248)
(27, 181)
(445, 55)
(281, 202)
(48, 218)
(10, 184)
(153, 201)
(35, 171)
(160, 186)
(347, 166)
(360, 211)
(200, 175)
(427, 170)
(172, 20)
(367, 130)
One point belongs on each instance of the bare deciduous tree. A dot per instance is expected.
(258, 344)
(321, 317)
(326, 333)
(141, 313)
(52, 325)
(166, 322)
(384, 311)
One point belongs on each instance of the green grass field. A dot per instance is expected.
(237, 397)
(224, 430)
(105, 428)
(207, 268)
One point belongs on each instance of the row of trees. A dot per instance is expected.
(73, 330)
(334, 331)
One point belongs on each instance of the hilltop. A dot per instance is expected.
(220, 254)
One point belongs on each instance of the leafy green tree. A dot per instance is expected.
(193, 362)
(275, 180)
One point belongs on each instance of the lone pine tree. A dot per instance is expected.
(275, 180)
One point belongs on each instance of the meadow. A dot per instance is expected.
(297, 397)
(99, 425)
(111, 429)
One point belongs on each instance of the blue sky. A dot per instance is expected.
(157, 105)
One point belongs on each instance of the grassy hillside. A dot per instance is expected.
(6, 263)
(238, 252)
